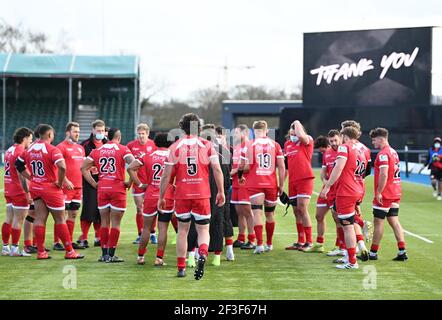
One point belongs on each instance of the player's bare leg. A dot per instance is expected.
(138, 200)
(242, 225)
(247, 214)
(162, 242)
(62, 231)
(114, 234)
(41, 217)
(202, 229)
(302, 209)
(17, 224)
(321, 226)
(350, 242)
(400, 239)
(340, 248)
(181, 247)
(270, 225)
(257, 204)
(144, 239)
(299, 229)
(6, 230)
(104, 233)
(27, 233)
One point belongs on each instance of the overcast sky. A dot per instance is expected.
(183, 44)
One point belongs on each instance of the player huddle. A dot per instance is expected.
(174, 177)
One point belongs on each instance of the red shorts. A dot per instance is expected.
(270, 194)
(137, 191)
(240, 196)
(301, 188)
(17, 201)
(198, 208)
(110, 199)
(150, 207)
(73, 195)
(346, 205)
(52, 196)
(386, 205)
(329, 202)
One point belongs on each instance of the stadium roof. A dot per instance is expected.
(52, 65)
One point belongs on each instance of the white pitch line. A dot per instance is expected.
(418, 236)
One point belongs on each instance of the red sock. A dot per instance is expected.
(374, 248)
(160, 253)
(174, 222)
(56, 238)
(229, 242)
(63, 233)
(104, 236)
(308, 234)
(140, 222)
(251, 238)
(320, 240)
(341, 238)
(351, 255)
(359, 237)
(15, 236)
(71, 225)
(141, 251)
(85, 225)
(203, 250)
(258, 233)
(270, 228)
(301, 234)
(28, 243)
(154, 225)
(241, 237)
(40, 234)
(400, 244)
(97, 227)
(113, 238)
(181, 262)
(6, 232)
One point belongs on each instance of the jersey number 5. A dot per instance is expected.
(192, 167)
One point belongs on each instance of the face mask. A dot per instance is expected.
(99, 136)
(437, 145)
(294, 139)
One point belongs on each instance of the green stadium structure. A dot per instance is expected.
(55, 89)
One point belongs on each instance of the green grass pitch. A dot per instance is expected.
(279, 274)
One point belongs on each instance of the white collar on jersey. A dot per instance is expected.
(164, 153)
(190, 142)
(38, 146)
(110, 146)
(264, 140)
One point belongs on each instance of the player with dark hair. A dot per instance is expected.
(349, 191)
(17, 195)
(89, 211)
(153, 165)
(110, 159)
(47, 173)
(189, 160)
(74, 155)
(387, 189)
